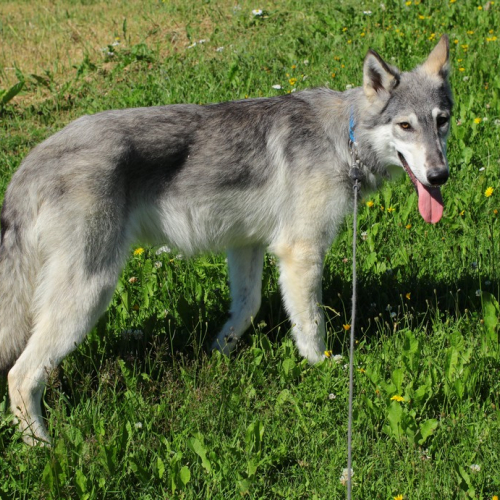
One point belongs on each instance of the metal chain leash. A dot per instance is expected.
(356, 176)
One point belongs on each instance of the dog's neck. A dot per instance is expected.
(364, 165)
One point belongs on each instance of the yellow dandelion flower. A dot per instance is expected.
(491, 31)
(139, 251)
(347, 327)
(397, 398)
(462, 213)
(455, 41)
(333, 75)
(461, 69)
(344, 29)
(495, 497)
(408, 226)
(362, 370)
(408, 3)
(493, 38)
(292, 81)
(495, 211)
(408, 295)
(391, 209)
(370, 204)
(382, 208)
(453, 1)
(328, 354)
(399, 497)
(488, 192)
(464, 46)
(479, 7)
(477, 120)
(349, 41)
(362, 34)
(293, 66)
(421, 17)
(470, 32)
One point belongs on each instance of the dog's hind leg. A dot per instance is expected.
(245, 281)
(68, 301)
(301, 270)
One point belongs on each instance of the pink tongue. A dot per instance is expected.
(430, 203)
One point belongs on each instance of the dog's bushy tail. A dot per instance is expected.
(16, 295)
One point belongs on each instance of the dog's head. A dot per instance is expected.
(410, 120)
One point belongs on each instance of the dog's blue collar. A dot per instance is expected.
(351, 127)
(355, 172)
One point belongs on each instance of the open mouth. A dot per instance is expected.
(430, 201)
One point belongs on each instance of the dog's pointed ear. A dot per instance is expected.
(379, 79)
(438, 62)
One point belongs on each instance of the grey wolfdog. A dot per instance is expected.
(238, 176)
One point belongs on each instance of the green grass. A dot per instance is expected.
(141, 410)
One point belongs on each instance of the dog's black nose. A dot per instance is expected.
(437, 177)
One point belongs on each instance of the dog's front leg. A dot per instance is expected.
(301, 269)
(245, 280)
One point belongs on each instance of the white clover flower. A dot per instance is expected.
(349, 86)
(481, 169)
(277, 87)
(331, 396)
(219, 49)
(475, 467)
(478, 293)
(367, 12)
(343, 478)
(257, 12)
(337, 358)
(138, 425)
(158, 264)
(393, 314)
(163, 249)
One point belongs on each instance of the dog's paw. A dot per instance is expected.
(226, 345)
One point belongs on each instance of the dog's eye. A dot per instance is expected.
(405, 126)
(442, 121)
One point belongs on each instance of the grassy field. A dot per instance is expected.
(141, 409)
